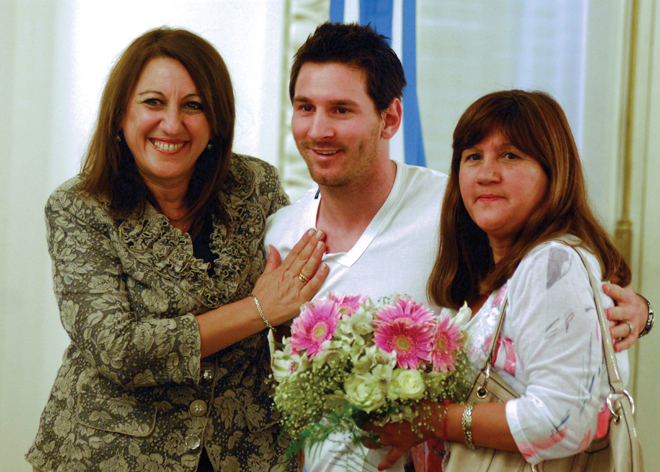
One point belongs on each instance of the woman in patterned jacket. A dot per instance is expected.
(162, 278)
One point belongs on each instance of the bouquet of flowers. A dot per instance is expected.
(349, 360)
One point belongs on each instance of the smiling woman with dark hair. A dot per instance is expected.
(162, 278)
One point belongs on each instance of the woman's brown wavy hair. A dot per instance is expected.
(109, 170)
(534, 123)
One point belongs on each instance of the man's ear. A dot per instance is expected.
(391, 117)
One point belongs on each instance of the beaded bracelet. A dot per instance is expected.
(261, 312)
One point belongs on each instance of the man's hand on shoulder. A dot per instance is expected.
(628, 317)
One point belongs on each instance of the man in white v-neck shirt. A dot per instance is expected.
(395, 253)
(381, 219)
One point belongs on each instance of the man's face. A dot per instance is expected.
(336, 126)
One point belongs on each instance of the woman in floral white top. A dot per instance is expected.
(516, 184)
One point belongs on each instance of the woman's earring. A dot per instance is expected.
(209, 146)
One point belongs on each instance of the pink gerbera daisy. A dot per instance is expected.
(412, 342)
(407, 309)
(348, 304)
(446, 341)
(315, 325)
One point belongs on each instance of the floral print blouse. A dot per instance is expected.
(550, 352)
(132, 393)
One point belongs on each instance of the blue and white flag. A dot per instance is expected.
(395, 19)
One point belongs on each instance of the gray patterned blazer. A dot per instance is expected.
(132, 393)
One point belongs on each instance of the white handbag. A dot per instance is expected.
(619, 451)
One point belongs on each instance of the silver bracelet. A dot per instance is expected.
(261, 312)
(466, 423)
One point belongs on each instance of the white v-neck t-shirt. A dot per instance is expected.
(395, 254)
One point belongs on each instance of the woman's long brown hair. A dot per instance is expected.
(534, 123)
(109, 170)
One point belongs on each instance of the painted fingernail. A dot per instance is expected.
(319, 245)
(324, 266)
(311, 232)
(319, 233)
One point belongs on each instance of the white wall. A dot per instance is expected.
(27, 309)
(645, 217)
(571, 50)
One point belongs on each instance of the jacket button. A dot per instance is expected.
(198, 408)
(193, 441)
(208, 375)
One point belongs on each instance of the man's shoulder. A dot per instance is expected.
(290, 221)
(423, 183)
(418, 172)
(297, 208)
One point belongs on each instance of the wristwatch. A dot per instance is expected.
(649, 320)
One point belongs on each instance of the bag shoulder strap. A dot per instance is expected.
(613, 374)
(496, 333)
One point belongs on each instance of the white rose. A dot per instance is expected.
(406, 384)
(364, 391)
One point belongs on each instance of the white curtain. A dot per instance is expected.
(569, 49)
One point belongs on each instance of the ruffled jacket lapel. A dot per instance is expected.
(150, 240)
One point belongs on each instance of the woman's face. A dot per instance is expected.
(501, 187)
(165, 125)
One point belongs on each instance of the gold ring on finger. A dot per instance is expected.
(630, 327)
(302, 278)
